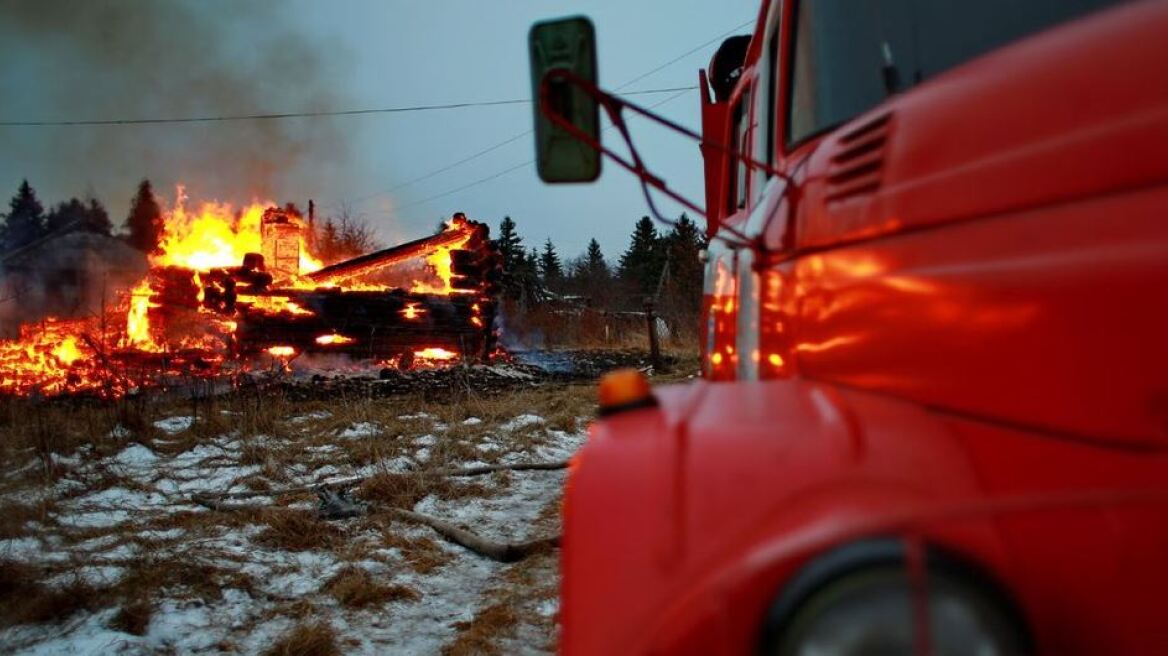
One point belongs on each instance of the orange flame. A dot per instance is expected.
(441, 264)
(434, 353)
(329, 340)
(412, 311)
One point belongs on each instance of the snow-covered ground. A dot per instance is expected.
(123, 522)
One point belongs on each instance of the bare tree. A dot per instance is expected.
(345, 235)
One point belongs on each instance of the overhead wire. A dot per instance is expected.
(525, 133)
(499, 174)
(287, 115)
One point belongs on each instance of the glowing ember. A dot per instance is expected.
(329, 340)
(68, 351)
(282, 351)
(432, 353)
(275, 305)
(412, 311)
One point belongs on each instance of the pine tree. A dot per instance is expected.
(549, 266)
(70, 214)
(685, 243)
(641, 264)
(76, 215)
(145, 219)
(510, 244)
(25, 221)
(97, 219)
(595, 266)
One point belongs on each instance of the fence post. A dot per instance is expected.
(654, 343)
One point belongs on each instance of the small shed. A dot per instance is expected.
(70, 273)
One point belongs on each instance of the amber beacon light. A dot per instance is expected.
(624, 389)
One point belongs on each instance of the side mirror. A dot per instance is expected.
(567, 43)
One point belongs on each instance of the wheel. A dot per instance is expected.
(869, 612)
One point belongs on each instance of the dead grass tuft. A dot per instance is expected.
(393, 490)
(15, 517)
(296, 530)
(479, 635)
(25, 600)
(308, 639)
(150, 577)
(355, 587)
(133, 617)
(422, 554)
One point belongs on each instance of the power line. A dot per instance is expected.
(500, 174)
(286, 115)
(685, 54)
(519, 136)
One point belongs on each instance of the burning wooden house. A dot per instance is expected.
(230, 289)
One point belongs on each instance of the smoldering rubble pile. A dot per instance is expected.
(507, 373)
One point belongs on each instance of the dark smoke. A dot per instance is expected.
(114, 59)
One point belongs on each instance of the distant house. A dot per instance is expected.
(70, 273)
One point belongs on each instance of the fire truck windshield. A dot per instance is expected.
(848, 56)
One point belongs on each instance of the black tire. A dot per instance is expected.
(864, 586)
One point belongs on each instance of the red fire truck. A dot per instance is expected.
(934, 411)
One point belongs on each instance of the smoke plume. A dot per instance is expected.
(118, 59)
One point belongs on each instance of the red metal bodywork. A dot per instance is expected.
(972, 350)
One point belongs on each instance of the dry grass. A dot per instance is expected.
(422, 554)
(133, 617)
(307, 639)
(296, 530)
(15, 517)
(355, 587)
(481, 634)
(393, 490)
(149, 578)
(24, 599)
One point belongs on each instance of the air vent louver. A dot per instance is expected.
(858, 166)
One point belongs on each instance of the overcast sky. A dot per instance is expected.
(68, 60)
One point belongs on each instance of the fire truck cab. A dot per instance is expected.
(933, 416)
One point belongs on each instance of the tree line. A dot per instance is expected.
(662, 266)
(27, 220)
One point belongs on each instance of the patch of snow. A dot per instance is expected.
(66, 461)
(417, 415)
(318, 415)
(174, 425)
(136, 455)
(548, 607)
(398, 465)
(326, 471)
(172, 534)
(358, 430)
(20, 548)
(98, 544)
(426, 440)
(472, 421)
(96, 575)
(522, 421)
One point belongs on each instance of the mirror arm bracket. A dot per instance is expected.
(614, 106)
